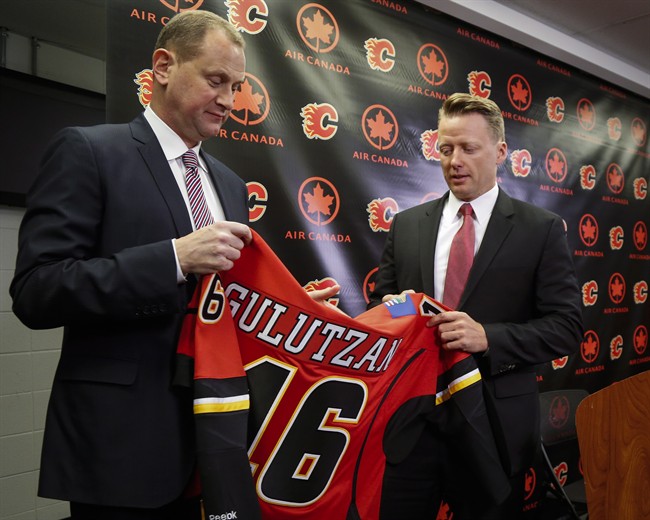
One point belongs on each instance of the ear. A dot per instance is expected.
(162, 62)
(502, 151)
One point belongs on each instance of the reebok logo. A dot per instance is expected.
(224, 516)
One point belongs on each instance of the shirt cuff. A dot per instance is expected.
(180, 277)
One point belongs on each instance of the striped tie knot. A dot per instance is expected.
(198, 205)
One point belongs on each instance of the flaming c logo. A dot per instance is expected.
(480, 84)
(444, 511)
(323, 283)
(640, 339)
(586, 114)
(556, 166)
(318, 200)
(381, 212)
(175, 6)
(369, 284)
(587, 177)
(319, 120)
(616, 236)
(144, 81)
(432, 64)
(615, 178)
(380, 54)
(530, 482)
(640, 188)
(252, 103)
(258, 197)
(558, 413)
(561, 471)
(590, 293)
(519, 92)
(641, 292)
(521, 161)
(590, 346)
(430, 148)
(588, 230)
(639, 131)
(559, 363)
(640, 235)
(249, 16)
(317, 28)
(555, 109)
(616, 288)
(616, 347)
(380, 127)
(614, 127)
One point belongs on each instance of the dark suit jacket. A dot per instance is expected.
(522, 288)
(95, 257)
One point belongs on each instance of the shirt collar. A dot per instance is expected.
(172, 145)
(482, 205)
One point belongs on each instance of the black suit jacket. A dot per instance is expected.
(522, 288)
(95, 256)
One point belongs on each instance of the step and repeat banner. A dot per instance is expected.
(335, 131)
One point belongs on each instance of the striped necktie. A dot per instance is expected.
(198, 205)
(461, 257)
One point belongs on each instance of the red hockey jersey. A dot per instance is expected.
(323, 397)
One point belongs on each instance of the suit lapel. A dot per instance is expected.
(227, 199)
(428, 235)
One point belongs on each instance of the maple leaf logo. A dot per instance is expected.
(432, 64)
(559, 412)
(315, 30)
(590, 347)
(640, 235)
(616, 288)
(556, 166)
(530, 482)
(319, 200)
(251, 105)
(369, 284)
(588, 230)
(639, 132)
(378, 128)
(640, 339)
(519, 92)
(182, 5)
(586, 114)
(615, 178)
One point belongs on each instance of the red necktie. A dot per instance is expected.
(198, 206)
(461, 256)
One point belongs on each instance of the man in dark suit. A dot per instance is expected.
(109, 249)
(520, 305)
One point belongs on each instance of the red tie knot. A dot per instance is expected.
(466, 209)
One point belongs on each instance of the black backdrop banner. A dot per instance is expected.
(335, 131)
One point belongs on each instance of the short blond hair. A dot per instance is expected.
(460, 104)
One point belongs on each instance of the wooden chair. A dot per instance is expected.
(613, 427)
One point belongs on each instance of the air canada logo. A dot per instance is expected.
(616, 288)
(144, 81)
(530, 482)
(323, 283)
(258, 197)
(318, 200)
(590, 293)
(639, 132)
(430, 148)
(380, 127)
(588, 230)
(381, 213)
(319, 120)
(615, 178)
(640, 188)
(586, 114)
(252, 103)
(640, 235)
(614, 127)
(590, 346)
(380, 54)
(521, 162)
(556, 166)
(249, 16)
(369, 284)
(587, 177)
(558, 412)
(432, 64)
(444, 511)
(190, 5)
(519, 92)
(555, 109)
(559, 363)
(641, 292)
(480, 84)
(616, 347)
(640, 339)
(616, 238)
(317, 28)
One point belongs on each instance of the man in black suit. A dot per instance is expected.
(520, 306)
(108, 249)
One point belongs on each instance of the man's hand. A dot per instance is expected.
(212, 248)
(322, 295)
(457, 331)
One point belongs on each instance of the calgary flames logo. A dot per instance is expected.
(588, 230)
(258, 197)
(521, 161)
(561, 471)
(590, 346)
(615, 178)
(176, 6)
(640, 339)
(480, 84)
(616, 288)
(144, 81)
(555, 109)
(587, 177)
(318, 200)
(640, 188)
(639, 132)
(430, 148)
(319, 120)
(319, 32)
(380, 54)
(559, 363)
(558, 413)
(249, 16)
(381, 213)
(586, 114)
(641, 292)
(616, 347)
(252, 103)
(432, 64)
(444, 511)
(640, 235)
(556, 166)
(380, 127)
(323, 283)
(590, 293)
(519, 92)
(616, 236)
(614, 127)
